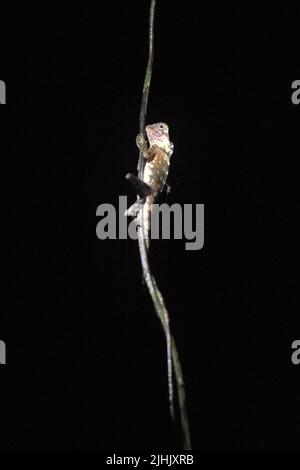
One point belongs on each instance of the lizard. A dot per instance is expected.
(157, 157)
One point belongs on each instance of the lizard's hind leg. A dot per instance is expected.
(142, 189)
(133, 210)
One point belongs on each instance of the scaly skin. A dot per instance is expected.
(157, 165)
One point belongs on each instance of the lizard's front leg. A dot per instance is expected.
(142, 145)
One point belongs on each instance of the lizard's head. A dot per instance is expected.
(158, 134)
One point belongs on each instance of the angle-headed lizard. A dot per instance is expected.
(156, 171)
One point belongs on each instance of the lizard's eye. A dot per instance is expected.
(161, 126)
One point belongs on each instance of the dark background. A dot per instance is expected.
(85, 351)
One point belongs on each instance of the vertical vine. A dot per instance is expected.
(173, 360)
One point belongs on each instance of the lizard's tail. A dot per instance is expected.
(147, 212)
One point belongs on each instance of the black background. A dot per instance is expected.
(85, 352)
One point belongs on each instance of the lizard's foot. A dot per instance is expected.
(133, 210)
(140, 140)
(142, 144)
